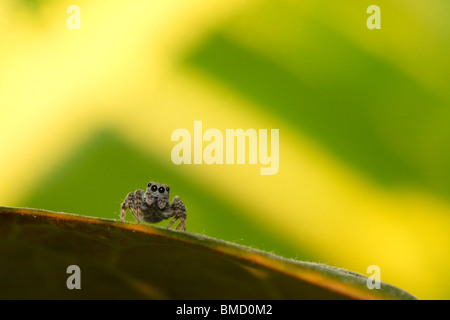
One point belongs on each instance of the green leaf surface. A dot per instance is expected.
(120, 260)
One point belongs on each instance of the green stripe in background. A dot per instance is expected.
(96, 179)
(360, 107)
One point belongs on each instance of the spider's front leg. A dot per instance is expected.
(178, 210)
(148, 199)
(133, 201)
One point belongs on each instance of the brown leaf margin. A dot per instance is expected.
(346, 283)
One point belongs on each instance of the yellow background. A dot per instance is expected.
(138, 68)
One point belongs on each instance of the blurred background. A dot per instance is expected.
(86, 116)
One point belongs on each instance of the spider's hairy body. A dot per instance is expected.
(153, 205)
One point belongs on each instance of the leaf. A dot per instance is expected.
(120, 260)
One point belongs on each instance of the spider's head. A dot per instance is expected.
(158, 190)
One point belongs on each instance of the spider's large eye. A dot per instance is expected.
(154, 187)
(161, 189)
(167, 188)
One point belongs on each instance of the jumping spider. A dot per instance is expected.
(153, 206)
